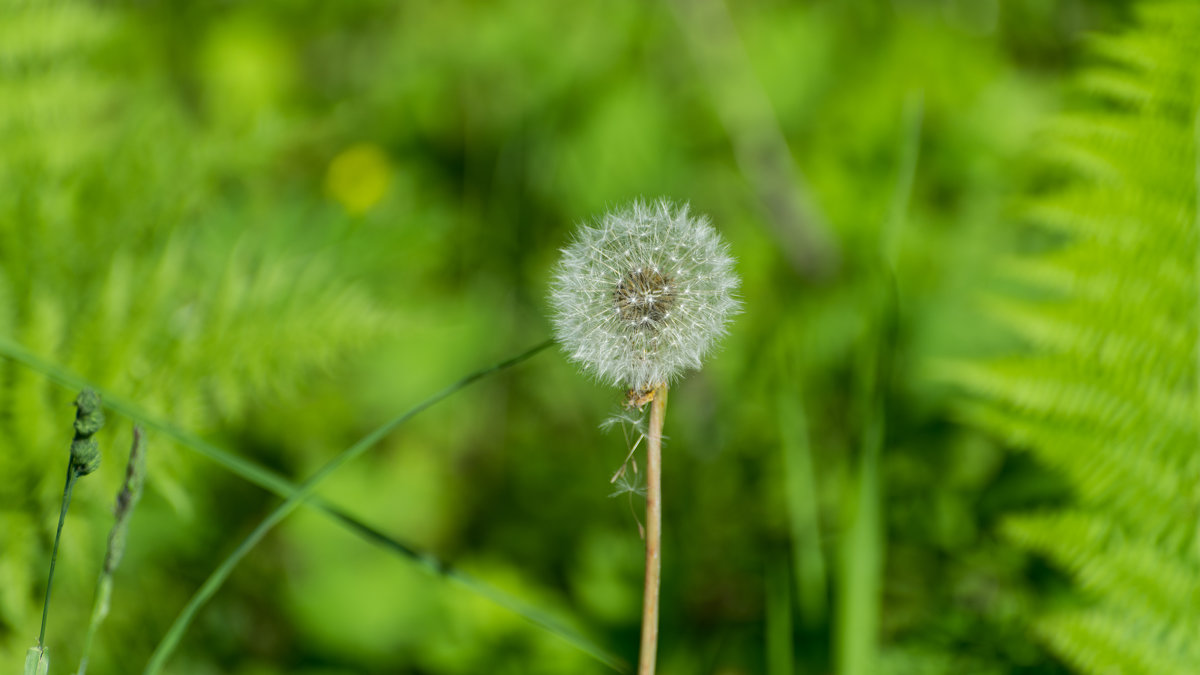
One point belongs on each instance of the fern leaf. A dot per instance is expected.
(1108, 394)
(122, 259)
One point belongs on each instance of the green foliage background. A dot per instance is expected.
(278, 224)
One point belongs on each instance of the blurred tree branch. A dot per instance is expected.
(760, 149)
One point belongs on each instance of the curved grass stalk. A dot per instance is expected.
(269, 480)
(215, 580)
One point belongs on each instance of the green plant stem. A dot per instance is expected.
(127, 499)
(72, 475)
(221, 573)
(800, 496)
(99, 612)
(759, 145)
(269, 480)
(861, 562)
(1196, 225)
(649, 651)
(864, 545)
(781, 655)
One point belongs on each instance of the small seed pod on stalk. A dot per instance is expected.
(83, 460)
(640, 297)
(89, 418)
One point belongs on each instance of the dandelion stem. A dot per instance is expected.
(72, 474)
(658, 410)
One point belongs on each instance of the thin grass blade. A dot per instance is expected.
(215, 580)
(800, 495)
(781, 653)
(264, 478)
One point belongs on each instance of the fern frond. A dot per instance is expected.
(1117, 642)
(1131, 480)
(1116, 85)
(1108, 395)
(1120, 340)
(123, 258)
(1141, 569)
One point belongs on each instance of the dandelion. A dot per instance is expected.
(644, 294)
(640, 297)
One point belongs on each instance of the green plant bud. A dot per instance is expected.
(85, 456)
(90, 415)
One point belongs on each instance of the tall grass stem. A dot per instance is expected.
(72, 476)
(127, 498)
(864, 546)
(269, 480)
(781, 655)
(800, 495)
(217, 578)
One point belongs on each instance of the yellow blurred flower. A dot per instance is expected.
(359, 177)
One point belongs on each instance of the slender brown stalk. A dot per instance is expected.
(658, 410)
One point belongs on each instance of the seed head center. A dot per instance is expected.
(644, 297)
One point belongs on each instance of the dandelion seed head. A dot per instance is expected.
(643, 294)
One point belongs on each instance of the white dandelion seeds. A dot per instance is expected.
(643, 294)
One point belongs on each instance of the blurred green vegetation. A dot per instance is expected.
(278, 224)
